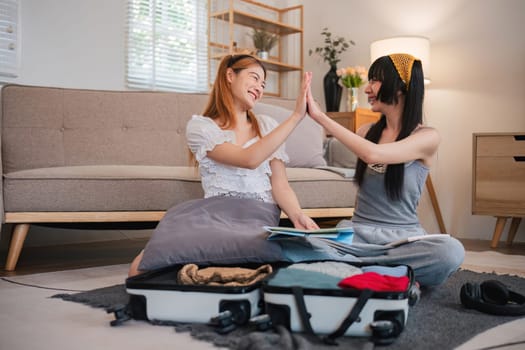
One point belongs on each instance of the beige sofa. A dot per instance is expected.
(78, 156)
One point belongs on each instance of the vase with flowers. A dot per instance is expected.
(330, 53)
(352, 78)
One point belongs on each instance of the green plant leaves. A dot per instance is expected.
(332, 49)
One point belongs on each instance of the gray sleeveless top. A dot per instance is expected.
(373, 205)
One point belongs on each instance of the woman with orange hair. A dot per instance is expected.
(241, 161)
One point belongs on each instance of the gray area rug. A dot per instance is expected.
(438, 319)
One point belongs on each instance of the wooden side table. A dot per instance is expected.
(498, 179)
(354, 120)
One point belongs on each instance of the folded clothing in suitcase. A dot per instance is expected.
(208, 292)
(339, 298)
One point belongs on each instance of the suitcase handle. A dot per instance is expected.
(301, 308)
(352, 316)
(347, 322)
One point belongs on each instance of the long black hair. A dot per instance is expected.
(383, 70)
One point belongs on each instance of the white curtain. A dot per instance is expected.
(9, 38)
(167, 45)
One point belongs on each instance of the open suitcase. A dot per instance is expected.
(334, 312)
(158, 297)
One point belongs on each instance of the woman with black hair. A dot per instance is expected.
(395, 155)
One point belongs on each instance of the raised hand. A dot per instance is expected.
(300, 104)
(313, 107)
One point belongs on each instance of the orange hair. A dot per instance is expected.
(220, 105)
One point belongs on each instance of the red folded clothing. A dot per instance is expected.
(376, 282)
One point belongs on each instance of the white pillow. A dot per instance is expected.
(304, 146)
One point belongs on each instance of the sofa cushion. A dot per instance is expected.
(338, 155)
(134, 187)
(100, 188)
(305, 145)
(317, 188)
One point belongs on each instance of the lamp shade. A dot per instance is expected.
(416, 46)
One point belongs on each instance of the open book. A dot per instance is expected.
(338, 237)
(279, 232)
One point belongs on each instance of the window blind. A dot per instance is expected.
(9, 38)
(167, 45)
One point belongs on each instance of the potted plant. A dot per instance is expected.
(330, 52)
(263, 42)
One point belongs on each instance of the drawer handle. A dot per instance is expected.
(519, 158)
(519, 137)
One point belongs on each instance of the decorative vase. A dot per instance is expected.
(263, 55)
(332, 90)
(351, 99)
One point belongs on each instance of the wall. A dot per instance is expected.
(478, 70)
(73, 43)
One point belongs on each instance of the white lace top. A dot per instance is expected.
(203, 134)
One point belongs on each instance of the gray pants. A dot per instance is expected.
(433, 260)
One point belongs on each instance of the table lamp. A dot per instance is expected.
(416, 46)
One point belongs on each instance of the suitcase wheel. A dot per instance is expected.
(240, 310)
(279, 314)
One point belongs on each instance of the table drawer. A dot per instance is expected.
(500, 185)
(500, 169)
(500, 145)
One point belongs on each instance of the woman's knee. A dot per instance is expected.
(452, 253)
(447, 257)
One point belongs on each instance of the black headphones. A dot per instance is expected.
(492, 297)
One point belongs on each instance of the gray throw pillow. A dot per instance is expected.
(304, 146)
(213, 231)
(338, 155)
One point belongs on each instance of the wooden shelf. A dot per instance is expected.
(272, 65)
(239, 21)
(249, 20)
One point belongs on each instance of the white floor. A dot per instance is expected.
(29, 319)
(492, 261)
(508, 333)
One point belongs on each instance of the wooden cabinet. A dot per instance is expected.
(354, 120)
(230, 24)
(498, 179)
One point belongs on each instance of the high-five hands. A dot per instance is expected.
(300, 104)
(313, 107)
